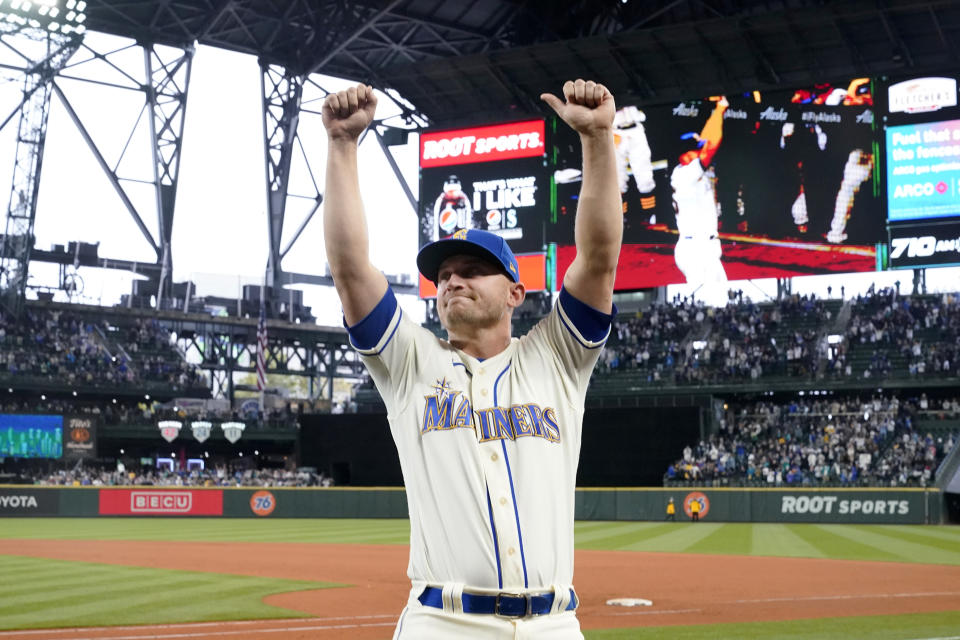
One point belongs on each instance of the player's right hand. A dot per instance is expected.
(588, 107)
(347, 113)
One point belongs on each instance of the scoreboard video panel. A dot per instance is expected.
(31, 436)
(493, 178)
(787, 182)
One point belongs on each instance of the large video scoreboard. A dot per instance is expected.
(792, 188)
(854, 176)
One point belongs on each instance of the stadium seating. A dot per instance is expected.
(53, 348)
(874, 441)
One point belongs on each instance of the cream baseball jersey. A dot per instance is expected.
(694, 199)
(488, 449)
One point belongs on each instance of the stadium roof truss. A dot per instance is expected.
(452, 63)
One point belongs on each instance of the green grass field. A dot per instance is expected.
(43, 593)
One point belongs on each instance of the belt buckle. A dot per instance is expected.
(525, 596)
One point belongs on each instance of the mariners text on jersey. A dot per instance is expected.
(448, 409)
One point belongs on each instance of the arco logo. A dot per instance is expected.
(262, 503)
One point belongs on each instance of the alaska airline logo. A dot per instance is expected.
(448, 409)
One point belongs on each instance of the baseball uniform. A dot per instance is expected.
(857, 170)
(489, 452)
(697, 253)
(633, 152)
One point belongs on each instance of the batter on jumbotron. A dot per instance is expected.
(487, 426)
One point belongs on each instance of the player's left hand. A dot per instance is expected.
(588, 108)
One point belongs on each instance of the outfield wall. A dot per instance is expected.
(878, 506)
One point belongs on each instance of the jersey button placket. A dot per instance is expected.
(498, 485)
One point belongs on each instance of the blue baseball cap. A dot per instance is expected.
(471, 242)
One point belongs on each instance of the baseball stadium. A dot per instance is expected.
(214, 423)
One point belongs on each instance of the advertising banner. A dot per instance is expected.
(923, 171)
(161, 502)
(18, 502)
(925, 245)
(493, 178)
(482, 144)
(79, 437)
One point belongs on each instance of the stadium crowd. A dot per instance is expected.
(220, 476)
(60, 346)
(920, 335)
(820, 441)
(689, 343)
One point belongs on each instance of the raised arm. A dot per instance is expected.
(589, 109)
(712, 134)
(359, 284)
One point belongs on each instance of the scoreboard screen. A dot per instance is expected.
(788, 182)
(31, 436)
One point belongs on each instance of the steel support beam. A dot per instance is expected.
(167, 102)
(398, 175)
(282, 93)
(41, 66)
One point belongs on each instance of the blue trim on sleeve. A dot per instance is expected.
(592, 324)
(513, 491)
(367, 333)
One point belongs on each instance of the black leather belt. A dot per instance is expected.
(511, 605)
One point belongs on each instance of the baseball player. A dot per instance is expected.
(697, 253)
(487, 426)
(856, 171)
(633, 154)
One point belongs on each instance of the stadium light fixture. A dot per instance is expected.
(114, 401)
(57, 16)
(834, 339)
(43, 397)
(122, 452)
(9, 390)
(146, 396)
(74, 394)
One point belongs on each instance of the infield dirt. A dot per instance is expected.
(685, 589)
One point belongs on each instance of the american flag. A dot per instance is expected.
(262, 348)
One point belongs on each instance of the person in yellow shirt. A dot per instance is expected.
(671, 511)
(695, 511)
